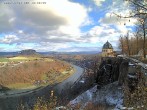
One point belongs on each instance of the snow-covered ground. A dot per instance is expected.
(110, 94)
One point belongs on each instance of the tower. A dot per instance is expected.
(107, 50)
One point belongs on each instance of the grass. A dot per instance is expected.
(19, 58)
(57, 79)
(2, 59)
(19, 85)
(48, 59)
(44, 77)
(23, 58)
(63, 76)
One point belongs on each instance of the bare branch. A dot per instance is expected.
(130, 16)
(139, 4)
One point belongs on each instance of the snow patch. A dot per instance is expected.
(109, 94)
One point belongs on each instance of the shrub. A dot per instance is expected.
(138, 98)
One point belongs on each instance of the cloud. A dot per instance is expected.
(60, 18)
(57, 25)
(8, 39)
(123, 25)
(6, 19)
(51, 26)
(100, 34)
(98, 2)
(43, 46)
(110, 27)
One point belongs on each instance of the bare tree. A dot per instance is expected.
(121, 44)
(143, 28)
(138, 8)
(138, 11)
(128, 44)
(137, 35)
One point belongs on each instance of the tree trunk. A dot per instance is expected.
(122, 46)
(144, 38)
(128, 45)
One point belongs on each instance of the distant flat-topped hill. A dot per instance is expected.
(28, 52)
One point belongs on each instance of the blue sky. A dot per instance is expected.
(62, 25)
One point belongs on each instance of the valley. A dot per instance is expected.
(32, 72)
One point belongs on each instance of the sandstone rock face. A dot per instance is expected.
(111, 70)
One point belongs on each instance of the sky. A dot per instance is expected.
(62, 25)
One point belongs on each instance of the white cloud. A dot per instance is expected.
(110, 18)
(11, 20)
(58, 14)
(100, 34)
(98, 2)
(70, 30)
(20, 31)
(101, 30)
(57, 24)
(123, 25)
(8, 39)
(36, 23)
(74, 13)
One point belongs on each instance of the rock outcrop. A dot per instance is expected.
(28, 52)
(110, 95)
(111, 69)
